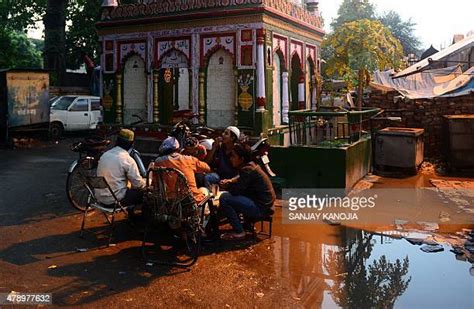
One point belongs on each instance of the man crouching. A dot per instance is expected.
(250, 193)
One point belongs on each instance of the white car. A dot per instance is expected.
(74, 113)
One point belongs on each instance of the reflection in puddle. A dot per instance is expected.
(342, 267)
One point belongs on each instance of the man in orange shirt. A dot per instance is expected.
(188, 165)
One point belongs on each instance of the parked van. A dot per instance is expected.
(74, 113)
(24, 96)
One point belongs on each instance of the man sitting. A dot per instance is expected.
(193, 148)
(188, 165)
(250, 193)
(118, 168)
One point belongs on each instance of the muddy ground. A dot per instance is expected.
(297, 267)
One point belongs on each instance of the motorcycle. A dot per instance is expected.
(206, 137)
(260, 155)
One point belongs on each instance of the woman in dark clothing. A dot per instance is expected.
(250, 193)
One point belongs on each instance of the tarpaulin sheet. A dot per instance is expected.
(426, 84)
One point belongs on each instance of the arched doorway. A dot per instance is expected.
(220, 90)
(134, 90)
(295, 79)
(276, 90)
(183, 89)
(174, 85)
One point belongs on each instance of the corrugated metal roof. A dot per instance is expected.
(439, 56)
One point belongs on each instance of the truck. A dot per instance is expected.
(24, 101)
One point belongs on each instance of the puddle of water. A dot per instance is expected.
(342, 267)
(437, 279)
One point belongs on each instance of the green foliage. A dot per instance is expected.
(18, 51)
(403, 31)
(21, 14)
(81, 36)
(351, 10)
(361, 45)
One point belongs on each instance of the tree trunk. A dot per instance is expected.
(360, 88)
(55, 40)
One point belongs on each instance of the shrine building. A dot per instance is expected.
(232, 62)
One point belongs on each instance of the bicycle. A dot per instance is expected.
(90, 150)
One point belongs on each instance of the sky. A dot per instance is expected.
(437, 20)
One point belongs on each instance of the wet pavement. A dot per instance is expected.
(302, 265)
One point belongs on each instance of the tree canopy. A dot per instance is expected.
(402, 30)
(81, 36)
(17, 50)
(351, 10)
(359, 47)
(19, 15)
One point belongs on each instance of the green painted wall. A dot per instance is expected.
(318, 167)
(358, 161)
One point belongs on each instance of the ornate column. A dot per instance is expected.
(156, 111)
(118, 100)
(236, 81)
(202, 101)
(285, 102)
(261, 101)
(301, 99)
(314, 93)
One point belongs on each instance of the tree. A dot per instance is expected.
(19, 15)
(55, 39)
(17, 50)
(351, 10)
(81, 37)
(362, 46)
(402, 30)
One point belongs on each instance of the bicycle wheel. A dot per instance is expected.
(77, 193)
(192, 232)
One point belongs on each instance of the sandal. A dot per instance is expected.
(234, 236)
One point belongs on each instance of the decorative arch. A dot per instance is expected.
(213, 50)
(297, 47)
(296, 77)
(281, 54)
(312, 63)
(127, 56)
(158, 64)
(299, 59)
(127, 49)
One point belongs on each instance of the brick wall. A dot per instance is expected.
(424, 113)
